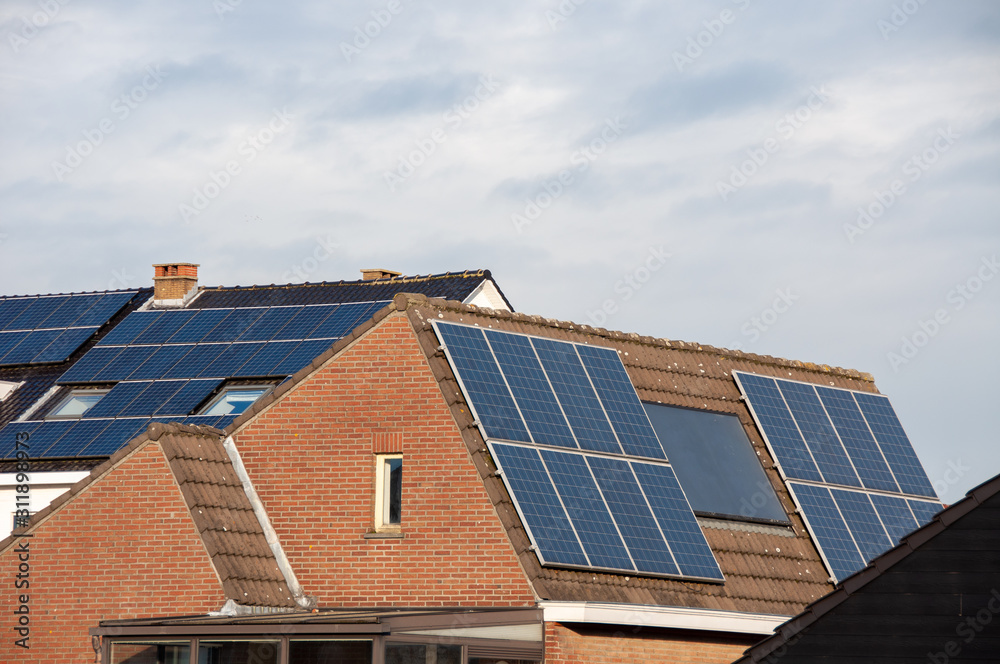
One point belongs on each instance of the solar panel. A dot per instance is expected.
(13, 309)
(531, 390)
(346, 318)
(115, 436)
(9, 341)
(265, 359)
(633, 515)
(160, 362)
(228, 362)
(769, 409)
(48, 433)
(304, 321)
(199, 326)
(40, 309)
(303, 354)
(538, 504)
(234, 325)
(857, 438)
(127, 330)
(76, 439)
(819, 434)
(117, 399)
(265, 327)
(195, 361)
(8, 439)
(483, 382)
(586, 509)
(71, 310)
(64, 345)
(676, 520)
(147, 402)
(895, 445)
(863, 522)
(124, 363)
(923, 510)
(621, 404)
(576, 395)
(164, 327)
(895, 515)
(31, 345)
(102, 311)
(185, 399)
(830, 530)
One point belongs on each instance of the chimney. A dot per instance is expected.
(372, 274)
(174, 283)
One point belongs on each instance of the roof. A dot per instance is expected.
(190, 372)
(447, 285)
(915, 599)
(219, 507)
(768, 570)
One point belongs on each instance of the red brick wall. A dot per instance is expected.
(311, 458)
(124, 548)
(586, 644)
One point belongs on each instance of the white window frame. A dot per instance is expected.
(7, 388)
(382, 489)
(229, 389)
(53, 414)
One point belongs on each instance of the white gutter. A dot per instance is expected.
(674, 617)
(270, 535)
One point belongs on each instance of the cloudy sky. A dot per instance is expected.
(810, 180)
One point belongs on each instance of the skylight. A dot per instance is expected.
(235, 400)
(77, 403)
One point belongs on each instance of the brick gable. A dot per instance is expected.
(124, 547)
(311, 454)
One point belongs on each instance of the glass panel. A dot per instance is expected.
(238, 652)
(330, 652)
(178, 652)
(715, 463)
(405, 653)
(78, 404)
(234, 402)
(393, 491)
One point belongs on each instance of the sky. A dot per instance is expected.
(814, 181)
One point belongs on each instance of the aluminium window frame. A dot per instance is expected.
(231, 388)
(52, 414)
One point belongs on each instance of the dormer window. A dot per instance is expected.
(76, 403)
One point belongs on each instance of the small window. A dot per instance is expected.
(388, 491)
(7, 388)
(235, 400)
(77, 403)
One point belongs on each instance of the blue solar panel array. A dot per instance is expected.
(42, 329)
(597, 512)
(862, 485)
(164, 364)
(589, 477)
(537, 390)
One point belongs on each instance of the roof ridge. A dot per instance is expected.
(403, 301)
(360, 282)
(94, 292)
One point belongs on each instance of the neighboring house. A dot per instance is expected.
(933, 598)
(452, 483)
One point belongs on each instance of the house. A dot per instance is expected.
(933, 598)
(447, 482)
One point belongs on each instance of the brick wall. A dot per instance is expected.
(587, 644)
(126, 547)
(311, 457)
